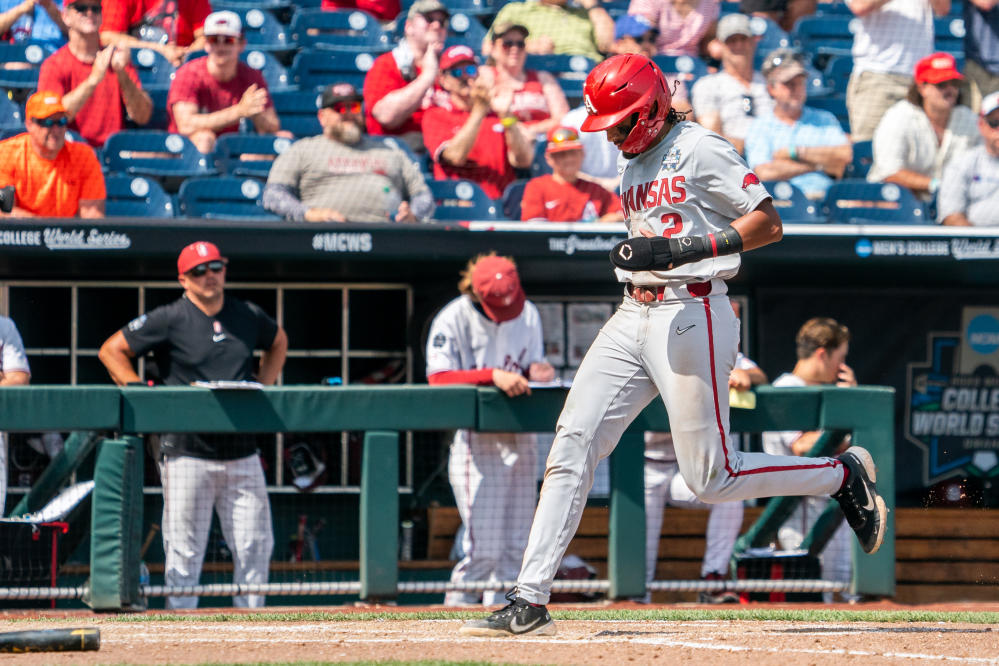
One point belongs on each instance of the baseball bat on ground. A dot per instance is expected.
(51, 640)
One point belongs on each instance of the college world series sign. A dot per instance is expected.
(952, 399)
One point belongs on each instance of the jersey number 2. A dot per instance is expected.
(672, 224)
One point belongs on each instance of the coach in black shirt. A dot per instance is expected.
(203, 336)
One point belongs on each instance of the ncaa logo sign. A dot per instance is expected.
(983, 334)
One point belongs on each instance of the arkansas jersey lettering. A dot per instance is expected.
(654, 193)
(750, 179)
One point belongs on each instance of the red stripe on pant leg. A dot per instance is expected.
(718, 420)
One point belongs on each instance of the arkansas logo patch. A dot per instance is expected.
(750, 179)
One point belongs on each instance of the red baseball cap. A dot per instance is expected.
(456, 54)
(197, 253)
(937, 68)
(497, 285)
(563, 138)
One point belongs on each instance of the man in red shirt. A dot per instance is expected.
(400, 84)
(210, 95)
(467, 140)
(98, 87)
(383, 10)
(562, 196)
(172, 27)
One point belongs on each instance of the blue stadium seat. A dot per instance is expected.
(511, 199)
(31, 54)
(267, 5)
(465, 29)
(135, 196)
(834, 105)
(422, 161)
(157, 154)
(340, 29)
(11, 114)
(539, 165)
(948, 35)
(225, 198)
(470, 7)
(569, 70)
(297, 112)
(160, 119)
(860, 202)
(863, 158)
(263, 31)
(462, 200)
(154, 70)
(792, 204)
(313, 69)
(837, 73)
(823, 36)
(771, 36)
(836, 7)
(230, 148)
(686, 68)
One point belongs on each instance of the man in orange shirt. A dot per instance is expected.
(563, 196)
(52, 178)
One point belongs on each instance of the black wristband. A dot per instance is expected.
(726, 242)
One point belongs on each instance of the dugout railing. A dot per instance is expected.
(383, 412)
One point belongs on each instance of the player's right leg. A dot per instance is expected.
(865, 510)
(189, 489)
(609, 390)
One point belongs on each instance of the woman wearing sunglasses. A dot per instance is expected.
(533, 97)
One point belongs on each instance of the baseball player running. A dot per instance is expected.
(692, 206)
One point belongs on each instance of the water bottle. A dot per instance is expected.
(406, 542)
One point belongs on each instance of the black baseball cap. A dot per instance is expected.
(339, 92)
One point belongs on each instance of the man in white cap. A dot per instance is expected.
(211, 95)
(798, 143)
(969, 192)
(728, 101)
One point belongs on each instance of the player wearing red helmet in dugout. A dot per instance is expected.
(692, 205)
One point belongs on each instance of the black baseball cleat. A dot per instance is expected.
(516, 618)
(864, 509)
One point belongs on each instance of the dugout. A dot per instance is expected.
(356, 299)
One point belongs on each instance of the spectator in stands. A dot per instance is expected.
(212, 95)
(888, 40)
(969, 191)
(822, 346)
(534, 97)
(468, 140)
(383, 10)
(172, 27)
(684, 25)
(207, 336)
(52, 177)
(99, 88)
(562, 196)
(490, 336)
(784, 13)
(727, 102)
(797, 143)
(554, 27)
(14, 371)
(981, 48)
(919, 135)
(400, 84)
(39, 21)
(343, 175)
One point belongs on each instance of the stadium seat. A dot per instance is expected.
(823, 36)
(948, 35)
(539, 165)
(771, 36)
(836, 106)
(313, 69)
(160, 119)
(470, 7)
(686, 68)
(264, 32)
(792, 204)
(569, 70)
(31, 54)
(154, 70)
(230, 148)
(863, 158)
(157, 154)
(462, 200)
(511, 199)
(837, 73)
(135, 196)
(225, 198)
(860, 202)
(422, 161)
(297, 112)
(339, 29)
(11, 115)
(836, 7)
(465, 29)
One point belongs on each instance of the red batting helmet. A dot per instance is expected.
(620, 86)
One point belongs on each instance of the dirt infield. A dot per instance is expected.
(578, 642)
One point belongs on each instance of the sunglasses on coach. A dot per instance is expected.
(469, 71)
(201, 269)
